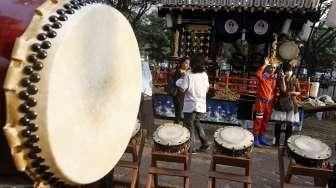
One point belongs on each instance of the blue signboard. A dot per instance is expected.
(218, 111)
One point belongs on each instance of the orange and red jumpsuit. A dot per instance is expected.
(263, 105)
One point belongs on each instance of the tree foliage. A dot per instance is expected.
(133, 9)
(320, 50)
(152, 35)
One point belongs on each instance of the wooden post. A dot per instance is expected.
(176, 42)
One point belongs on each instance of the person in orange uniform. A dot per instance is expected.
(264, 99)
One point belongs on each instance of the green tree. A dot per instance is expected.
(320, 50)
(133, 9)
(153, 37)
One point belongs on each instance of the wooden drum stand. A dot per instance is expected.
(296, 169)
(242, 162)
(155, 170)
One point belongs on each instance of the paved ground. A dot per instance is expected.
(265, 164)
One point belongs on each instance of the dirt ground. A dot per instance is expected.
(264, 161)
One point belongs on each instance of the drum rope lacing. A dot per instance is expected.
(39, 53)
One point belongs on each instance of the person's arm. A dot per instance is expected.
(282, 82)
(260, 71)
(207, 81)
(297, 90)
(182, 83)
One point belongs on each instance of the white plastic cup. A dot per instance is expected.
(314, 89)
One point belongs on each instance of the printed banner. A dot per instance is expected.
(218, 111)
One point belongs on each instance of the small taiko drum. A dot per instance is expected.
(308, 151)
(70, 108)
(233, 141)
(289, 50)
(172, 138)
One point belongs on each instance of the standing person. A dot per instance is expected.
(195, 85)
(146, 115)
(286, 108)
(264, 99)
(178, 98)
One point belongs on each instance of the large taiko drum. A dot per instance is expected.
(71, 76)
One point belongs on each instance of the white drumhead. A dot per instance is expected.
(308, 147)
(289, 50)
(233, 137)
(88, 94)
(171, 134)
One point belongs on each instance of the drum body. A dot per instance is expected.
(308, 151)
(171, 138)
(14, 19)
(65, 88)
(233, 141)
(289, 50)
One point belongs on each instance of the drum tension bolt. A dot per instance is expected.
(46, 175)
(41, 36)
(70, 11)
(35, 78)
(37, 66)
(63, 18)
(41, 169)
(25, 133)
(56, 25)
(31, 102)
(51, 34)
(31, 155)
(60, 11)
(42, 54)
(37, 162)
(68, 6)
(36, 47)
(24, 108)
(47, 27)
(24, 95)
(27, 144)
(76, 7)
(25, 82)
(35, 149)
(73, 2)
(34, 138)
(24, 121)
(53, 18)
(47, 44)
(32, 127)
(28, 70)
(32, 57)
(32, 89)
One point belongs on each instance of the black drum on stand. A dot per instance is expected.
(308, 151)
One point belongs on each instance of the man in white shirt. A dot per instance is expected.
(195, 85)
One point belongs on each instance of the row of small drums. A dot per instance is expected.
(238, 142)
